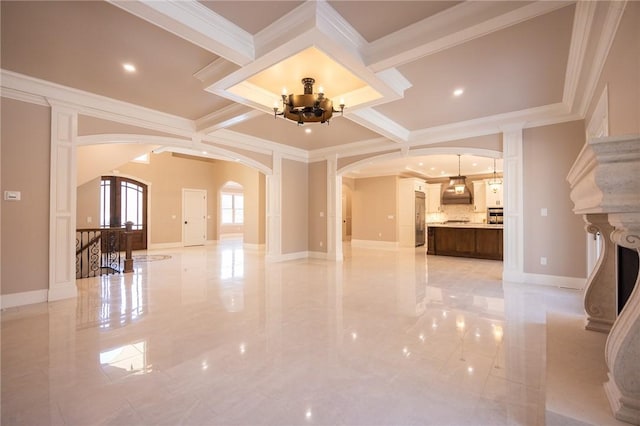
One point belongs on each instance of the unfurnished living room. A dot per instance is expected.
(320, 212)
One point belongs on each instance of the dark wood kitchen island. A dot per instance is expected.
(475, 240)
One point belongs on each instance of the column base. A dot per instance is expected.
(598, 325)
(624, 408)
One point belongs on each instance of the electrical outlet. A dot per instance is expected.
(321, 243)
(543, 260)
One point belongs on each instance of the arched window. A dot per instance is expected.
(124, 200)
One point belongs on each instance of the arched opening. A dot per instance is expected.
(231, 210)
(124, 200)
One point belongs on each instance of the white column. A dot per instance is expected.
(274, 210)
(334, 210)
(600, 291)
(513, 262)
(62, 203)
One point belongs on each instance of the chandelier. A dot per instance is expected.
(309, 107)
(494, 183)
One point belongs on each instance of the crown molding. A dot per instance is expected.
(582, 26)
(451, 27)
(18, 95)
(532, 117)
(593, 70)
(197, 24)
(94, 105)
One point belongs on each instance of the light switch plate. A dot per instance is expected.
(12, 195)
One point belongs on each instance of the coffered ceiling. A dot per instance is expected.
(223, 64)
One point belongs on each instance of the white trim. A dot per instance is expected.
(87, 103)
(377, 122)
(598, 126)
(197, 24)
(163, 246)
(318, 255)
(374, 244)
(63, 291)
(253, 246)
(10, 93)
(257, 145)
(605, 41)
(287, 256)
(456, 25)
(553, 281)
(582, 25)
(25, 298)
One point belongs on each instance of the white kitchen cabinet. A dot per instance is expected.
(494, 199)
(434, 195)
(479, 196)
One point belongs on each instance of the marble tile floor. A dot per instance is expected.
(214, 335)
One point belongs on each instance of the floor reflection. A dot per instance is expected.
(111, 301)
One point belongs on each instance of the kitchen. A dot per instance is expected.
(462, 214)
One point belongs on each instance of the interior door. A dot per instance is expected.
(194, 217)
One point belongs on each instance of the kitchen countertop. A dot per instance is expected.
(465, 225)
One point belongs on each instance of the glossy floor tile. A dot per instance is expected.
(214, 335)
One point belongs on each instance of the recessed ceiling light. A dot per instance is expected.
(458, 92)
(129, 67)
(474, 164)
(307, 130)
(421, 164)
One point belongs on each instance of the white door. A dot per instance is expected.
(194, 217)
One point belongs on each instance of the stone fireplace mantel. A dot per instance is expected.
(605, 182)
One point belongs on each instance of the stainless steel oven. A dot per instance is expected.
(495, 215)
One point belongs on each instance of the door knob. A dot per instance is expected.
(185, 222)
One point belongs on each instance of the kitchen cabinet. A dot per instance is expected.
(479, 196)
(494, 199)
(434, 195)
(481, 242)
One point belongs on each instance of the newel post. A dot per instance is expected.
(128, 259)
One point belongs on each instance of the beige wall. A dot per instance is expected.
(374, 200)
(167, 174)
(26, 130)
(318, 206)
(295, 207)
(549, 153)
(621, 74)
(88, 205)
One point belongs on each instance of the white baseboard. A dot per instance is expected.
(161, 246)
(63, 291)
(546, 280)
(374, 244)
(288, 256)
(252, 246)
(24, 298)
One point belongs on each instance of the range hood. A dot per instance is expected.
(457, 191)
(450, 196)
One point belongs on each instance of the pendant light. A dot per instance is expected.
(458, 182)
(495, 183)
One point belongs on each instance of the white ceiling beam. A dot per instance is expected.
(226, 117)
(197, 24)
(453, 26)
(379, 123)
